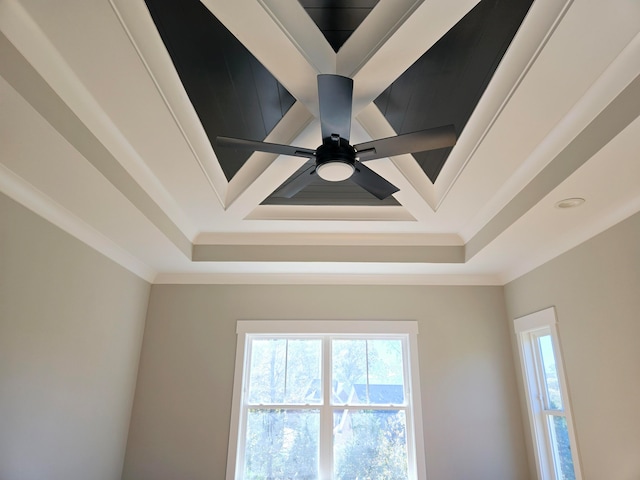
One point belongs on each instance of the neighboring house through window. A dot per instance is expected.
(547, 399)
(326, 400)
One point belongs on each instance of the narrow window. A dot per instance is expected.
(326, 400)
(547, 399)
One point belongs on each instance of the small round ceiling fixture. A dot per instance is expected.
(570, 202)
(335, 171)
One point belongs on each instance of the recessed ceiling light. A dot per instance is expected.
(570, 202)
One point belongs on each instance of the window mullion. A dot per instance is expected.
(326, 417)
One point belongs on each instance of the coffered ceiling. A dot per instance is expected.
(110, 110)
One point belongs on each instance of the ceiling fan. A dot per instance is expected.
(336, 159)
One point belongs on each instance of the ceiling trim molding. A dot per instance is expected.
(265, 39)
(623, 110)
(313, 212)
(302, 32)
(44, 206)
(146, 41)
(566, 243)
(325, 279)
(330, 253)
(303, 238)
(529, 41)
(374, 68)
(608, 85)
(28, 82)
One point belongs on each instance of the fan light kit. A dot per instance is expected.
(335, 171)
(336, 159)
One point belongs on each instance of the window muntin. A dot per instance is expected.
(324, 405)
(549, 412)
(281, 370)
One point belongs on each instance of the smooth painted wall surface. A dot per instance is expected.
(71, 324)
(596, 291)
(181, 414)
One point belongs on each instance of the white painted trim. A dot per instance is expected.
(312, 212)
(618, 75)
(36, 48)
(234, 426)
(303, 33)
(405, 330)
(141, 26)
(537, 28)
(324, 279)
(536, 320)
(326, 327)
(416, 393)
(304, 238)
(27, 195)
(526, 329)
(563, 245)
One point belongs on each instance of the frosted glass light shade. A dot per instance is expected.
(335, 171)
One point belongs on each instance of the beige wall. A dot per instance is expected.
(596, 291)
(181, 415)
(71, 326)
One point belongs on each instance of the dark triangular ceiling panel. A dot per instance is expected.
(232, 93)
(338, 19)
(321, 192)
(444, 86)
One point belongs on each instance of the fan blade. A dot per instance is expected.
(335, 94)
(265, 147)
(421, 141)
(303, 177)
(372, 182)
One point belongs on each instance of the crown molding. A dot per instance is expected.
(28, 196)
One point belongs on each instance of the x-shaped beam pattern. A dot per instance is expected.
(287, 42)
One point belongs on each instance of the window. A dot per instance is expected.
(549, 410)
(326, 400)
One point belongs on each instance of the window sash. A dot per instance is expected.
(329, 331)
(529, 330)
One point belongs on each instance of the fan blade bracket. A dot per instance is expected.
(421, 141)
(304, 153)
(267, 147)
(364, 153)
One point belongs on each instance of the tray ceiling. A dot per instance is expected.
(234, 95)
(110, 108)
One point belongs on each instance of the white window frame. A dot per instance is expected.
(406, 330)
(528, 329)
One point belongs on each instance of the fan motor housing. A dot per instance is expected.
(335, 151)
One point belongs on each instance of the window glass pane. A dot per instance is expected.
(386, 373)
(550, 373)
(281, 444)
(266, 374)
(367, 372)
(348, 369)
(369, 444)
(285, 371)
(304, 384)
(561, 447)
